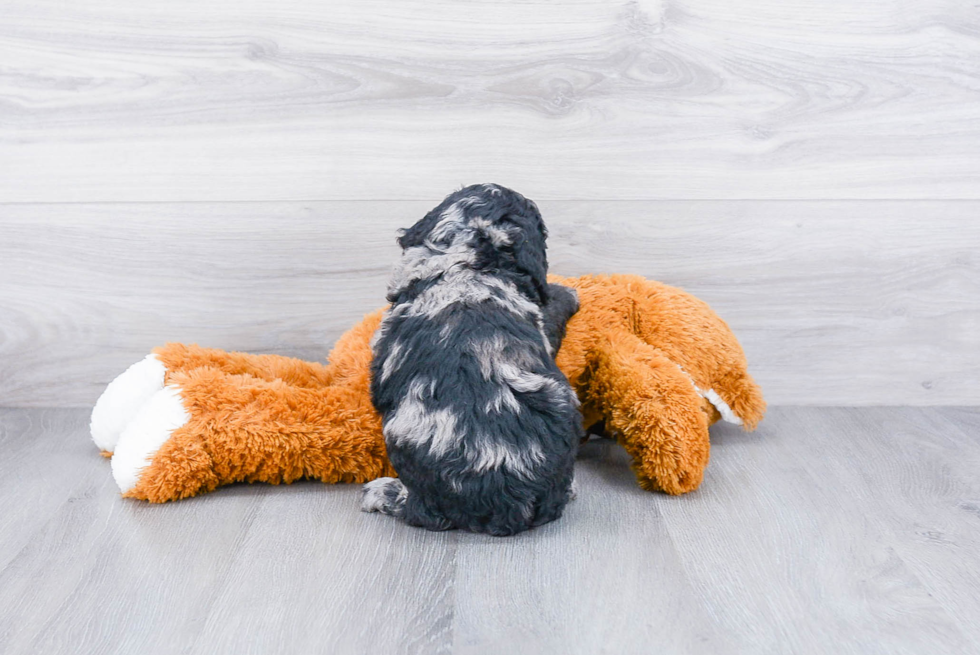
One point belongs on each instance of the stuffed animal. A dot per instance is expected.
(651, 364)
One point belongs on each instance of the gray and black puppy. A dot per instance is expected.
(480, 424)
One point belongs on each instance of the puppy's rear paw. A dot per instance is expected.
(385, 495)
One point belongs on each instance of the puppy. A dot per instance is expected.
(479, 422)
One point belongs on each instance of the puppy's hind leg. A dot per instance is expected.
(385, 495)
(390, 496)
(553, 505)
(417, 513)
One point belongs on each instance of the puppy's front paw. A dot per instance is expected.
(123, 398)
(152, 426)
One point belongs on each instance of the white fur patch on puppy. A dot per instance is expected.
(151, 427)
(413, 423)
(123, 398)
(493, 455)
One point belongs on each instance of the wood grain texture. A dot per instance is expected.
(829, 530)
(824, 513)
(295, 100)
(836, 303)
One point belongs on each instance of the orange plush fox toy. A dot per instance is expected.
(653, 363)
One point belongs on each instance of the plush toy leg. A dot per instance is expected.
(128, 393)
(242, 428)
(654, 411)
(178, 357)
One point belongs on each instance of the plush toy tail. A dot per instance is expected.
(385, 495)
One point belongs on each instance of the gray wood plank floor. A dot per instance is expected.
(828, 530)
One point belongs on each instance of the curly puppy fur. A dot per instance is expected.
(479, 422)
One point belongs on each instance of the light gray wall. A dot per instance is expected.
(233, 173)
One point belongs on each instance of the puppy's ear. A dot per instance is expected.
(530, 249)
(415, 235)
(533, 262)
(561, 306)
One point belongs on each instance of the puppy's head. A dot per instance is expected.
(492, 229)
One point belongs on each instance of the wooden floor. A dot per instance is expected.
(828, 530)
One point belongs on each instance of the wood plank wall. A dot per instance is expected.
(232, 173)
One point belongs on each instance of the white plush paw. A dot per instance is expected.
(151, 427)
(123, 398)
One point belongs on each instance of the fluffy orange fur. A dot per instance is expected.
(634, 353)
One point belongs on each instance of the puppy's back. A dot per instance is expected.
(482, 427)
